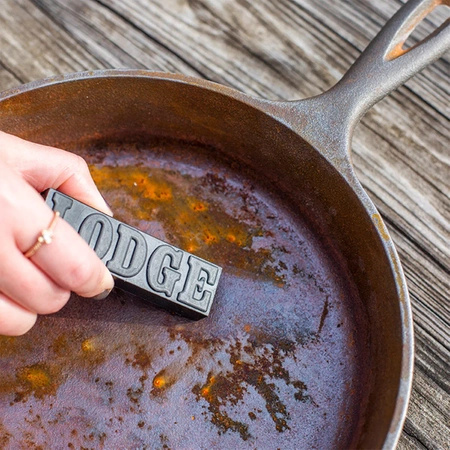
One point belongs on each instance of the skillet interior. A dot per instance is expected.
(303, 347)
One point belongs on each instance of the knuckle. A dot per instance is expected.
(28, 289)
(8, 190)
(74, 166)
(80, 164)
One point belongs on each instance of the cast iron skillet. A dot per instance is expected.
(309, 344)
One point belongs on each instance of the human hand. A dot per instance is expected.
(42, 283)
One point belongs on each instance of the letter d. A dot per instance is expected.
(130, 253)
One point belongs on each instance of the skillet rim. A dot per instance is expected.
(277, 111)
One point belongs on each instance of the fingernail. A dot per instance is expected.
(102, 295)
(107, 285)
(108, 280)
(108, 209)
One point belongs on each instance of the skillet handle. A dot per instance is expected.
(327, 121)
(385, 64)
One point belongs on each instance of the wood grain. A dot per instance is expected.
(287, 49)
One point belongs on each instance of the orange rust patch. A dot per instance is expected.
(225, 388)
(10, 346)
(206, 390)
(197, 206)
(379, 224)
(60, 345)
(36, 379)
(149, 188)
(191, 248)
(37, 376)
(65, 353)
(139, 194)
(5, 436)
(161, 382)
(87, 345)
(209, 238)
(141, 359)
(7, 345)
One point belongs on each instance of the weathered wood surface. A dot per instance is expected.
(287, 49)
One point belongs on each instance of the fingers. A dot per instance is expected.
(46, 167)
(21, 280)
(68, 261)
(14, 319)
(71, 263)
(42, 283)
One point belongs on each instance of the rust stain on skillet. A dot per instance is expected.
(189, 216)
(279, 361)
(381, 227)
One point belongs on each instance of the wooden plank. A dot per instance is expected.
(286, 50)
(113, 40)
(7, 78)
(33, 47)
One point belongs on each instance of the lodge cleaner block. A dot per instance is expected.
(141, 264)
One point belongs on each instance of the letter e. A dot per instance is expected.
(200, 284)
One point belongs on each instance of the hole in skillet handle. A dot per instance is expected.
(166, 276)
(432, 21)
(415, 31)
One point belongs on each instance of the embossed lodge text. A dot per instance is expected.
(142, 264)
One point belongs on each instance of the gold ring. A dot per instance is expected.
(45, 237)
